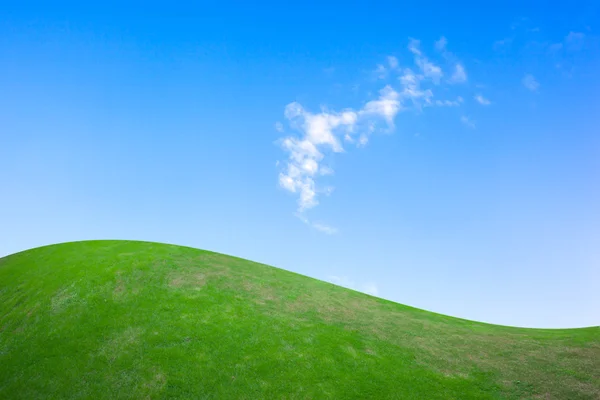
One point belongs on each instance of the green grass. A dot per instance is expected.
(122, 319)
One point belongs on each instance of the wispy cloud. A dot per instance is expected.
(502, 44)
(380, 72)
(320, 133)
(279, 127)
(411, 89)
(459, 75)
(386, 106)
(324, 228)
(440, 45)
(555, 48)
(392, 62)
(428, 69)
(482, 100)
(316, 135)
(449, 103)
(530, 82)
(574, 41)
(329, 230)
(367, 287)
(467, 122)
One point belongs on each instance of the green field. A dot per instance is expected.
(123, 319)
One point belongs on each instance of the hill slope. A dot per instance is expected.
(120, 319)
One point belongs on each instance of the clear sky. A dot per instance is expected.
(441, 155)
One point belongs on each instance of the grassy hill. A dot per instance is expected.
(122, 319)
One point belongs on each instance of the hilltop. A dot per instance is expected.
(124, 319)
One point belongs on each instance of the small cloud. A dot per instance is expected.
(413, 46)
(574, 41)
(482, 100)
(329, 230)
(449, 103)
(329, 70)
(380, 72)
(328, 190)
(555, 48)
(429, 69)
(386, 106)
(530, 82)
(363, 140)
(440, 45)
(325, 170)
(392, 62)
(279, 127)
(460, 75)
(502, 44)
(412, 89)
(467, 122)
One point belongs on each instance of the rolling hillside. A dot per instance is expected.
(123, 319)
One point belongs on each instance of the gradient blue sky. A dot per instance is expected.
(460, 175)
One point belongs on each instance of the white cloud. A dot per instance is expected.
(321, 133)
(482, 100)
(328, 190)
(467, 122)
(313, 136)
(574, 41)
(387, 106)
(279, 127)
(440, 45)
(555, 48)
(325, 170)
(363, 140)
(459, 75)
(380, 72)
(449, 103)
(302, 165)
(429, 69)
(413, 46)
(530, 82)
(330, 230)
(503, 44)
(325, 228)
(412, 89)
(319, 128)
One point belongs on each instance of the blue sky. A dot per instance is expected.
(442, 156)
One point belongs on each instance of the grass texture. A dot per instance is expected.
(135, 320)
